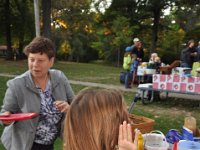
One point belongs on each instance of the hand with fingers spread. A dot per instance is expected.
(125, 141)
(62, 106)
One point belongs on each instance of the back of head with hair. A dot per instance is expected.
(93, 120)
(153, 56)
(40, 45)
(190, 42)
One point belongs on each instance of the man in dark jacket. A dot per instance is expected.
(198, 52)
(137, 49)
(188, 54)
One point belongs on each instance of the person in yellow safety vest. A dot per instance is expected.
(127, 61)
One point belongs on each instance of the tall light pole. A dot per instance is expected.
(37, 18)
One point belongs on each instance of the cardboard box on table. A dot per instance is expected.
(176, 83)
(141, 71)
(181, 70)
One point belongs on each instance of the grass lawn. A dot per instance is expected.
(167, 113)
(74, 71)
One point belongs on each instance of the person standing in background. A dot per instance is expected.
(188, 55)
(41, 90)
(196, 63)
(127, 61)
(137, 55)
(198, 52)
(137, 49)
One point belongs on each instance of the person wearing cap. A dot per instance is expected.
(135, 43)
(188, 55)
(137, 55)
(137, 49)
(135, 40)
(127, 65)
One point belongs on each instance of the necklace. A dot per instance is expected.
(41, 83)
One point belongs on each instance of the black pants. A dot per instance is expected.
(37, 146)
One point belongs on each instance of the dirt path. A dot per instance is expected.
(109, 86)
(120, 87)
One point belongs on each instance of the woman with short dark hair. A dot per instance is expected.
(41, 90)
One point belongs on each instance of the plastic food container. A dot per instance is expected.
(155, 141)
(188, 145)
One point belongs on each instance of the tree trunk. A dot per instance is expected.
(46, 8)
(21, 45)
(9, 54)
(155, 31)
(21, 34)
(37, 18)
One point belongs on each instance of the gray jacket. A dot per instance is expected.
(22, 97)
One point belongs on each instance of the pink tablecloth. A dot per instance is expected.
(176, 83)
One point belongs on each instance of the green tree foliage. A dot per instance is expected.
(2, 24)
(46, 18)
(121, 35)
(145, 14)
(64, 50)
(170, 49)
(187, 16)
(181, 26)
(155, 9)
(7, 14)
(21, 24)
(82, 34)
(113, 38)
(155, 29)
(77, 28)
(126, 8)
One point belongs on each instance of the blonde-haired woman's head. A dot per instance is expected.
(93, 120)
(152, 58)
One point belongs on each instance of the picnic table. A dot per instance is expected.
(169, 84)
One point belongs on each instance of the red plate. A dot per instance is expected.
(17, 117)
(4, 115)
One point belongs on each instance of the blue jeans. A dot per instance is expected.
(134, 65)
(127, 79)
